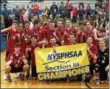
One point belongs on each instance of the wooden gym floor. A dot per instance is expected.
(37, 84)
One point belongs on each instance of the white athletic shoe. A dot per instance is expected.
(16, 75)
(5, 77)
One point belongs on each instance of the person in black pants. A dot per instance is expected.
(103, 61)
(54, 10)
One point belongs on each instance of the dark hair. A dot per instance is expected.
(60, 19)
(89, 37)
(26, 21)
(68, 19)
(52, 21)
(36, 22)
(34, 36)
(52, 36)
(88, 22)
(102, 30)
(15, 21)
(17, 45)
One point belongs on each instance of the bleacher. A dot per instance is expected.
(12, 3)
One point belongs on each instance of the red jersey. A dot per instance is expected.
(68, 5)
(44, 30)
(94, 50)
(35, 8)
(69, 31)
(48, 34)
(26, 35)
(106, 5)
(16, 59)
(59, 33)
(82, 37)
(74, 12)
(33, 54)
(92, 34)
(37, 32)
(14, 37)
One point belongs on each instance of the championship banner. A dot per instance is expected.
(58, 62)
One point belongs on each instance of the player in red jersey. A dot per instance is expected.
(31, 55)
(92, 54)
(45, 36)
(42, 40)
(59, 32)
(82, 34)
(26, 35)
(16, 62)
(91, 31)
(45, 25)
(37, 31)
(13, 37)
(53, 42)
(49, 32)
(68, 30)
(71, 39)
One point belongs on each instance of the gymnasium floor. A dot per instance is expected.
(37, 84)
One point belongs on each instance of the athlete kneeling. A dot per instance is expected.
(16, 62)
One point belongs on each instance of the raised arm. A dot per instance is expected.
(5, 29)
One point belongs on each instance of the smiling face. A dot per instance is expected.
(27, 25)
(88, 25)
(17, 49)
(102, 44)
(71, 38)
(15, 25)
(33, 40)
(53, 41)
(48, 21)
(59, 24)
(89, 40)
(52, 26)
(68, 23)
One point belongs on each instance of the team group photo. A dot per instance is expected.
(54, 44)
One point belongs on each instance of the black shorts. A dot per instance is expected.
(15, 70)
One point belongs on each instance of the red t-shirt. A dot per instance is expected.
(37, 32)
(35, 8)
(48, 34)
(24, 43)
(94, 50)
(16, 58)
(74, 12)
(32, 53)
(44, 30)
(106, 5)
(69, 31)
(60, 34)
(68, 5)
(12, 39)
(82, 37)
(92, 35)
